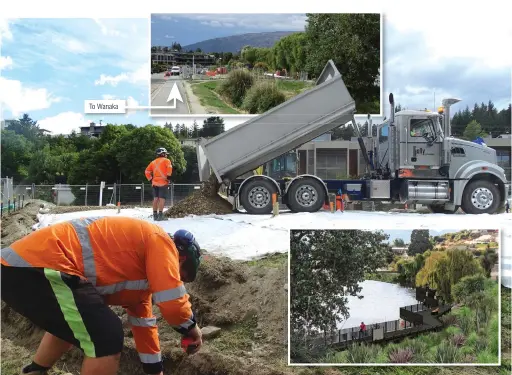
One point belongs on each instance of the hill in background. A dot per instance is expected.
(235, 43)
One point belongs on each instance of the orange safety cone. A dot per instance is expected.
(338, 202)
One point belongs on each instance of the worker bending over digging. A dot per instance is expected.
(64, 277)
(159, 172)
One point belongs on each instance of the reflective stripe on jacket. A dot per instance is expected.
(131, 262)
(158, 171)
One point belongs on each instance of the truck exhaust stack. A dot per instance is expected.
(447, 103)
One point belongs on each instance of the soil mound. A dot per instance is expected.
(18, 224)
(203, 202)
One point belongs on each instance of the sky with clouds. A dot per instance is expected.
(50, 66)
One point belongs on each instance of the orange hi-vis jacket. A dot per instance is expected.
(131, 262)
(158, 171)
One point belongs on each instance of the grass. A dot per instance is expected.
(237, 338)
(270, 261)
(208, 98)
(205, 91)
(387, 277)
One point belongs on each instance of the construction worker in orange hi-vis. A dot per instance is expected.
(64, 277)
(159, 172)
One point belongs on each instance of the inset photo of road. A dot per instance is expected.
(415, 296)
(248, 64)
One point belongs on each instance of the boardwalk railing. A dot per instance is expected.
(373, 332)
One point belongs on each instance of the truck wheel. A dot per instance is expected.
(441, 210)
(480, 197)
(256, 197)
(306, 195)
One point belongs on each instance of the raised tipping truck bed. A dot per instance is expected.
(279, 130)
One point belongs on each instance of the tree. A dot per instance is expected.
(326, 267)
(212, 127)
(352, 41)
(191, 173)
(408, 269)
(452, 268)
(399, 242)
(487, 260)
(473, 130)
(135, 150)
(26, 127)
(467, 286)
(420, 242)
(195, 130)
(42, 168)
(16, 155)
(248, 53)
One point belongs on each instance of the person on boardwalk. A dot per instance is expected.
(362, 330)
(159, 172)
(64, 277)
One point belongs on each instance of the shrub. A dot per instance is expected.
(401, 356)
(362, 353)
(466, 320)
(447, 353)
(262, 97)
(493, 336)
(236, 86)
(486, 356)
(458, 340)
(449, 320)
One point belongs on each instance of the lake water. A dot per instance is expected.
(381, 302)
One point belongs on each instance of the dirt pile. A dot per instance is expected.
(203, 202)
(18, 224)
(247, 301)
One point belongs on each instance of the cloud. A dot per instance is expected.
(5, 62)
(476, 33)
(417, 75)
(105, 30)
(269, 21)
(131, 102)
(139, 76)
(169, 37)
(19, 99)
(5, 32)
(63, 123)
(64, 47)
(108, 97)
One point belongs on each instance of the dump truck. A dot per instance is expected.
(411, 159)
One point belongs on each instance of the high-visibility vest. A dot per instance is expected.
(158, 171)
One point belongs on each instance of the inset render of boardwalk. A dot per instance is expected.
(414, 319)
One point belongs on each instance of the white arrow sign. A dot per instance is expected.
(174, 95)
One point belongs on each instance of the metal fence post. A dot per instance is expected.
(172, 194)
(86, 186)
(142, 195)
(33, 191)
(115, 193)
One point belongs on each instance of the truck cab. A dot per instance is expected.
(431, 167)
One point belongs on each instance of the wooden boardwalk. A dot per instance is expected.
(416, 319)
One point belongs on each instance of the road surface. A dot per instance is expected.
(160, 96)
